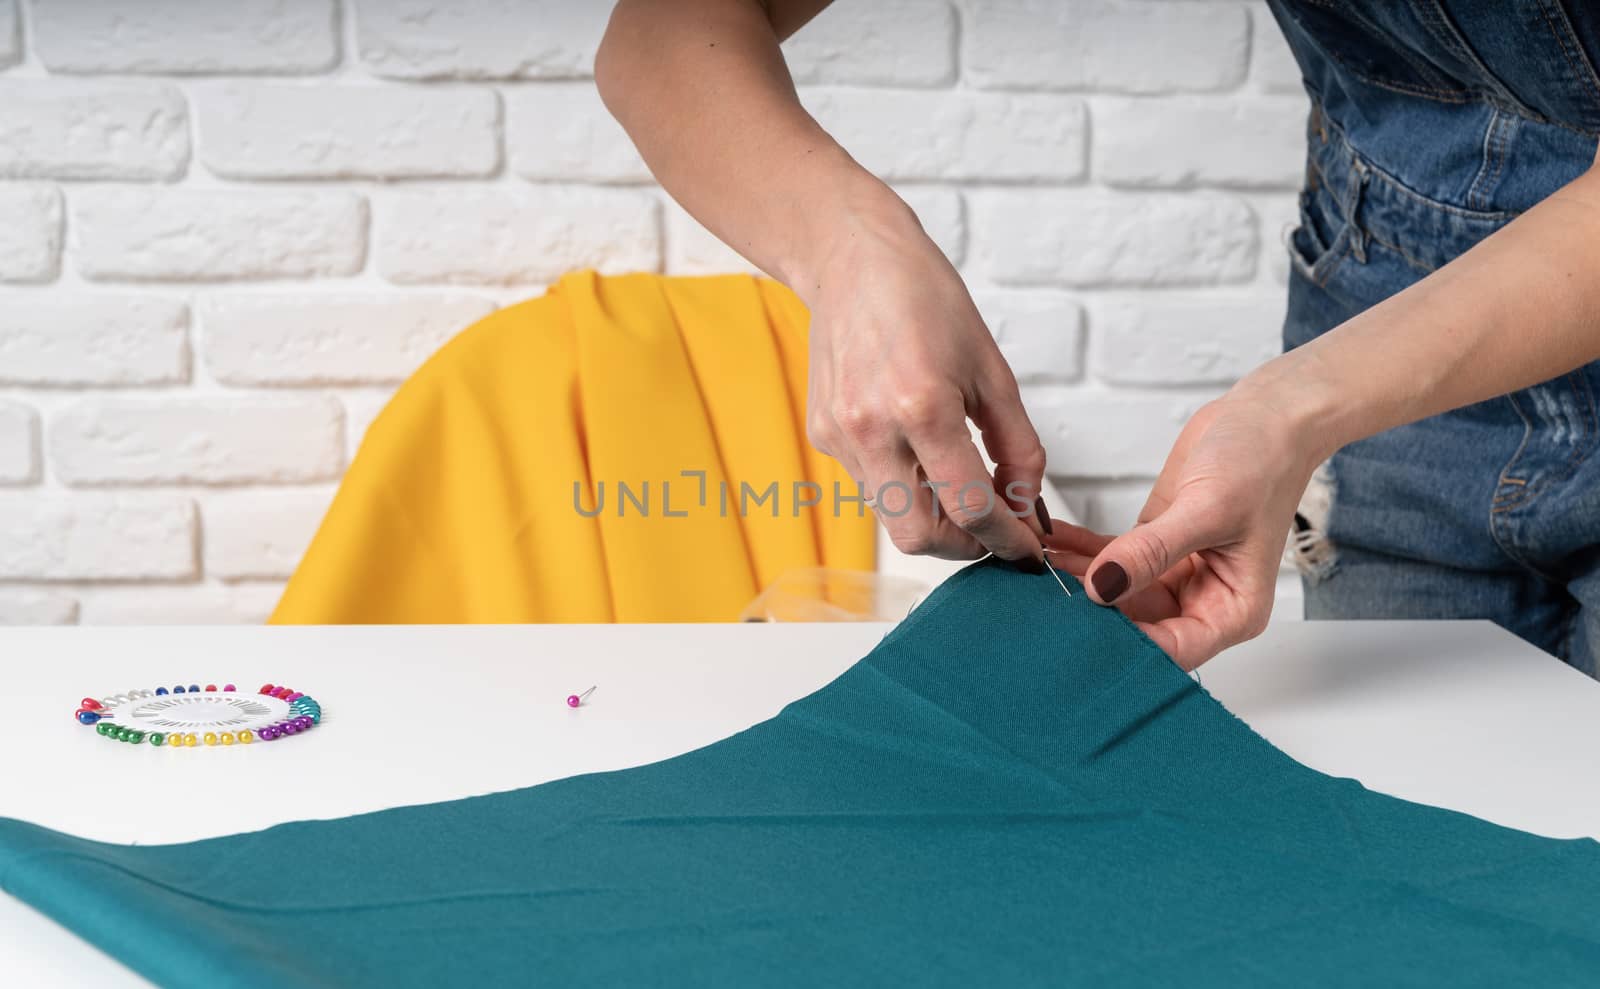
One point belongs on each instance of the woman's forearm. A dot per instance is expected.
(702, 88)
(1520, 308)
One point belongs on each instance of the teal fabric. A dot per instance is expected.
(1014, 788)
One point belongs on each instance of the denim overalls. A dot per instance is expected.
(1433, 124)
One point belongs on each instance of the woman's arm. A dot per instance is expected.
(1521, 307)
(702, 88)
(900, 358)
(1198, 571)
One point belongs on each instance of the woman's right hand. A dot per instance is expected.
(900, 360)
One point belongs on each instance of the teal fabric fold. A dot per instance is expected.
(1015, 787)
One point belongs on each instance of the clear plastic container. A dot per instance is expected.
(820, 594)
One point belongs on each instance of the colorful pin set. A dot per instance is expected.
(190, 716)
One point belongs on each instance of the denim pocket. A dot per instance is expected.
(1320, 241)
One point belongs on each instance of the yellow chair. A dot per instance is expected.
(527, 471)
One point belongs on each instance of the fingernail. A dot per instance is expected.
(1030, 564)
(1110, 581)
(1043, 513)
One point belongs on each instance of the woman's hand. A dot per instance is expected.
(900, 359)
(899, 356)
(1198, 571)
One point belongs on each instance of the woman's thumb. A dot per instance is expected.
(1133, 560)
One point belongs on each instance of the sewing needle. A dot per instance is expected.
(1057, 576)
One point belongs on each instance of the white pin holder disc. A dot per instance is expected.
(203, 712)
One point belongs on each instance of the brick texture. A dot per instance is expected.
(19, 443)
(328, 339)
(1093, 238)
(1075, 427)
(135, 234)
(1188, 339)
(527, 236)
(281, 131)
(560, 131)
(198, 441)
(882, 43)
(1040, 333)
(37, 608)
(1206, 141)
(1272, 65)
(61, 129)
(107, 340)
(30, 233)
(975, 136)
(97, 537)
(245, 604)
(479, 39)
(182, 36)
(260, 534)
(1104, 45)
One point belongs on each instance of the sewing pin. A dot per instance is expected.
(573, 700)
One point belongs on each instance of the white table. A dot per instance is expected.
(1456, 714)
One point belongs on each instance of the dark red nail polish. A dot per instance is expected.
(1029, 564)
(1110, 581)
(1043, 513)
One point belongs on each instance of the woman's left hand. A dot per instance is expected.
(1198, 571)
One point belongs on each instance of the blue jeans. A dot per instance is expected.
(1425, 137)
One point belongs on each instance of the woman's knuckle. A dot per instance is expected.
(820, 431)
(918, 408)
(1033, 459)
(856, 420)
(971, 519)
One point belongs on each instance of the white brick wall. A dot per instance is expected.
(1089, 238)
(288, 131)
(227, 230)
(561, 132)
(19, 443)
(321, 339)
(37, 608)
(97, 537)
(59, 129)
(478, 39)
(1184, 338)
(1104, 45)
(72, 338)
(30, 233)
(184, 37)
(1175, 142)
(508, 236)
(173, 235)
(260, 533)
(970, 136)
(251, 440)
